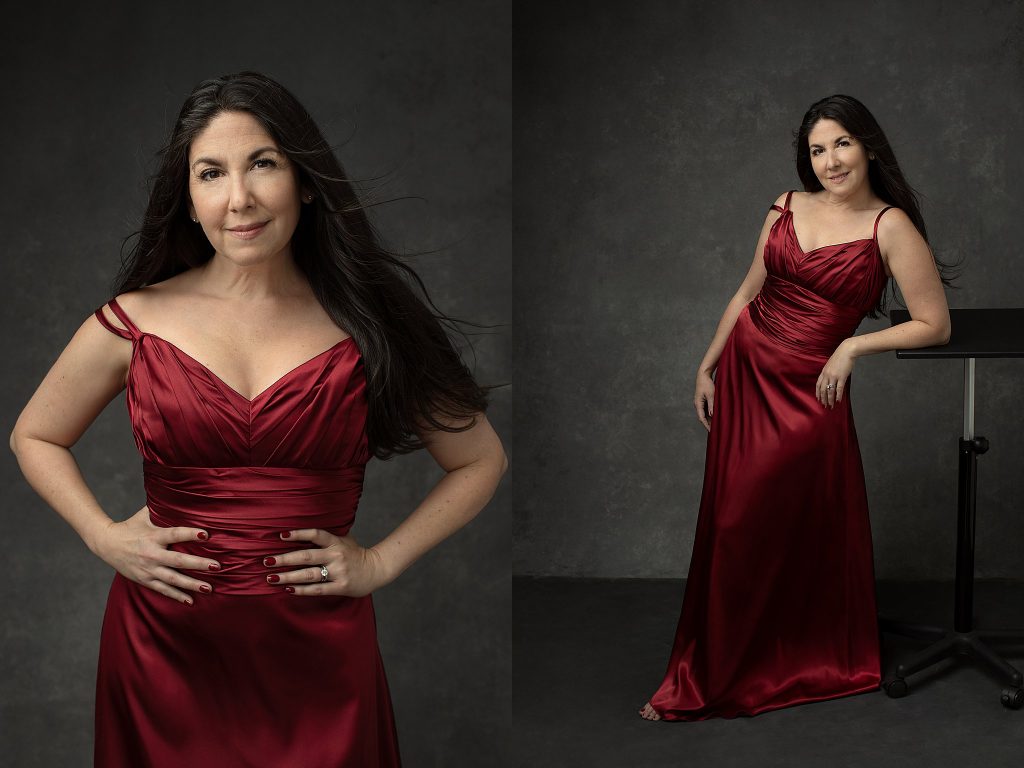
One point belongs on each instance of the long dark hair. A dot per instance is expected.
(415, 376)
(884, 174)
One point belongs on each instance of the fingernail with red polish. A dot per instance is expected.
(214, 567)
(290, 589)
(204, 588)
(203, 535)
(286, 534)
(273, 578)
(269, 561)
(188, 601)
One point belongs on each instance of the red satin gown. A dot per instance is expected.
(779, 605)
(248, 675)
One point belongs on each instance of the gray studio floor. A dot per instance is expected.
(589, 652)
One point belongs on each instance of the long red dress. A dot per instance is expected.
(779, 606)
(248, 675)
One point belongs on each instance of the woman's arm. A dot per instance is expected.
(473, 461)
(912, 265)
(87, 375)
(704, 398)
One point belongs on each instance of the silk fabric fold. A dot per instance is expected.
(779, 605)
(249, 675)
(244, 509)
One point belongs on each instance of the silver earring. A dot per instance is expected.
(308, 198)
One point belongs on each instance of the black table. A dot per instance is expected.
(975, 333)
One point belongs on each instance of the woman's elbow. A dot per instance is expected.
(503, 463)
(17, 435)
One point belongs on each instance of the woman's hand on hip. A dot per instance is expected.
(138, 550)
(352, 570)
(831, 384)
(704, 398)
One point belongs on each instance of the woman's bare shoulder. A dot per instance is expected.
(895, 223)
(780, 202)
(804, 199)
(154, 300)
(130, 302)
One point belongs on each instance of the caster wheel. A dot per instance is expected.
(1013, 698)
(897, 688)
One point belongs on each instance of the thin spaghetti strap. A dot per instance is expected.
(775, 207)
(132, 333)
(123, 317)
(875, 235)
(110, 326)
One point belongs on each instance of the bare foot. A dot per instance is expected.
(648, 713)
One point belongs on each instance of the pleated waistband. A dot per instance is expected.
(801, 320)
(244, 509)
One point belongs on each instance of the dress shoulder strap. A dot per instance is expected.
(132, 333)
(783, 210)
(875, 235)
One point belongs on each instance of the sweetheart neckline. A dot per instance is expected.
(250, 401)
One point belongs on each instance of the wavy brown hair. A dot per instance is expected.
(415, 375)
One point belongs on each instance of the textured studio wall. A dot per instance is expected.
(663, 133)
(594, 176)
(418, 94)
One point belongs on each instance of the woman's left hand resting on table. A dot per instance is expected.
(473, 461)
(909, 260)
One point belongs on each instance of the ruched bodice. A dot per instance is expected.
(244, 508)
(247, 675)
(812, 301)
(168, 388)
(214, 459)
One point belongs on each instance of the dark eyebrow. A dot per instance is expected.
(840, 138)
(252, 156)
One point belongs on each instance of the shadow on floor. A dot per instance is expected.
(588, 653)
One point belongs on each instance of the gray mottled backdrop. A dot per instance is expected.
(595, 174)
(420, 94)
(662, 133)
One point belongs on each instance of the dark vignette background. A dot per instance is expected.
(596, 174)
(661, 135)
(421, 94)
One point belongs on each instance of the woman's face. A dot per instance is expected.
(840, 161)
(243, 189)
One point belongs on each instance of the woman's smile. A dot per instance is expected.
(248, 231)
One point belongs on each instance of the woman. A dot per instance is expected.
(239, 627)
(779, 607)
